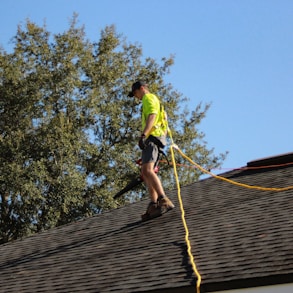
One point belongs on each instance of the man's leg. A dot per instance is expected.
(160, 203)
(154, 185)
(152, 181)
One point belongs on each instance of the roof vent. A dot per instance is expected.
(271, 161)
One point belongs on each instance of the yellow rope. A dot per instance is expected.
(185, 227)
(195, 270)
(191, 258)
(231, 181)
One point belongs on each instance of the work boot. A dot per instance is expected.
(165, 204)
(153, 211)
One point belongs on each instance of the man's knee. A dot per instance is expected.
(147, 169)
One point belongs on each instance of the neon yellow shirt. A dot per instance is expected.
(151, 105)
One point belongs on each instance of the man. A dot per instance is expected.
(153, 138)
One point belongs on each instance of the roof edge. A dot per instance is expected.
(248, 283)
(286, 158)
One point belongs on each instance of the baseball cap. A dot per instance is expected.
(136, 86)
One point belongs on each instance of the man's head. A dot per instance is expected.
(138, 89)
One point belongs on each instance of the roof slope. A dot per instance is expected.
(238, 236)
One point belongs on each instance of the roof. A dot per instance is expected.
(239, 237)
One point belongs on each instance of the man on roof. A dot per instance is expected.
(152, 139)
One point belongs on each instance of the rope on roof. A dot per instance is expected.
(239, 168)
(174, 146)
(276, 189)
(191, 258)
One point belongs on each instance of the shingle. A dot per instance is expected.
(236, 234)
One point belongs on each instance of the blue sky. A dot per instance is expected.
(236, 54)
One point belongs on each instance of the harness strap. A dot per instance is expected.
(160, 146)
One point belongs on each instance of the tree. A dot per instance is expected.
(68, 131)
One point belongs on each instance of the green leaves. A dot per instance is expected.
(68, 131)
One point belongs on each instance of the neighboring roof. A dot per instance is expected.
(240, 237)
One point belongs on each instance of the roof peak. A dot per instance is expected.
(274, 160)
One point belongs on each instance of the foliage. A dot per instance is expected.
(68, 131)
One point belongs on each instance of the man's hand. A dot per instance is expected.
(141, 142)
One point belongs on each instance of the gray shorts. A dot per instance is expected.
(151, 153)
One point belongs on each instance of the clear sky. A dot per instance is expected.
(236, 54)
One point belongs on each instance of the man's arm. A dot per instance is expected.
(149, 124)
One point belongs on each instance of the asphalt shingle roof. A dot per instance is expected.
(239, 237)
